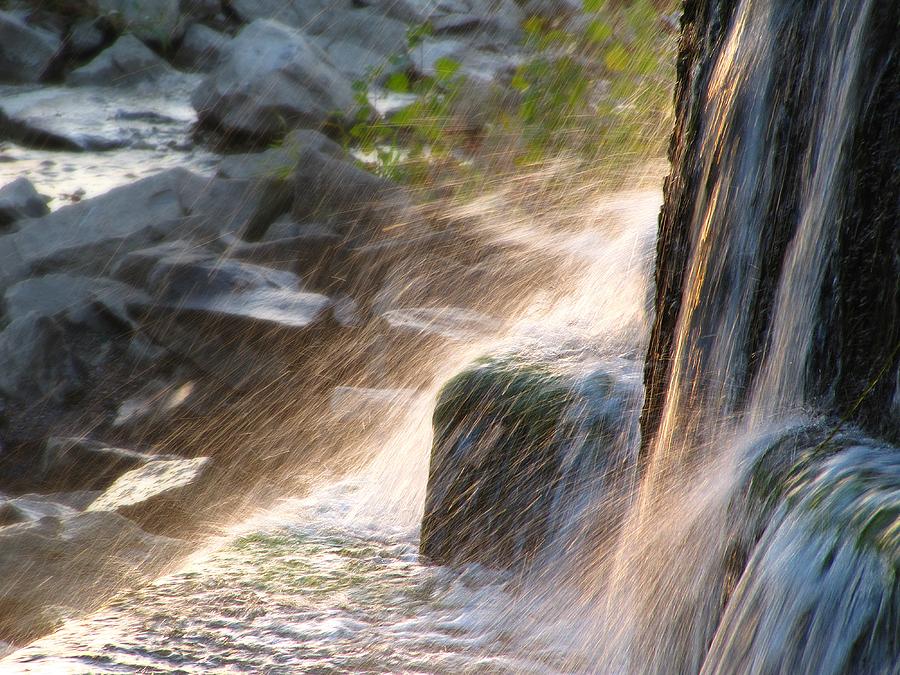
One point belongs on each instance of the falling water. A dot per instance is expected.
(759, 539)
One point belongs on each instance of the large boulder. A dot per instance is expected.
(127, 62)
(18, 200)
(237, 321)
(271, 80)
(519, 447)
(26, 52)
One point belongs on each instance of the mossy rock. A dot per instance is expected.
(514, 440)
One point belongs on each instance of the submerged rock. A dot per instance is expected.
(20, 200)
(272, 79)
(519, 447)
(25, 52)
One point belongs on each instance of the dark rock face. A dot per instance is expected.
(519, 447)
(852, 363)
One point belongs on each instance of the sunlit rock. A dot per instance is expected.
(85, 464)
(272, 79)
(158, 494)
(18, 200)
(520, 446)
(25, 52)
(127, 62)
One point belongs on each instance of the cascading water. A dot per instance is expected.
(760, 537)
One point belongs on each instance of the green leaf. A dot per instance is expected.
(598, 31)
(397, 83)
(445, 68)
(519, 83)
(593, 5)
(616, 58)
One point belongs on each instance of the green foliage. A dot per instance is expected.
(598, 90)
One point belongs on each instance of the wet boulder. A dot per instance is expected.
(26, 52)
(19, 200)
(236, 321)
(127, 62)
(341, 193)
(272, 79)
(525, 451)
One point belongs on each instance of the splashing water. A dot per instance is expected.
(758, 540)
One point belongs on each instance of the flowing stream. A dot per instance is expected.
(761, 539)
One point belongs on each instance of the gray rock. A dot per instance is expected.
(294, 13)
(100, 118)
(85, 464)
(55, 567)
(85, 37)
(364, 28)
(201, 48)
(150, 20)
(127, 62)
(20, 200)
(158, 490)
(475, 63)
(350, 197)
(31, 508)
(238, 322)
(201, 9)
(92, 233)
(412, 12)
(306, 251)
(25, 52)
(272, 79)
(38, 363)
(280, 161)
(81, 300)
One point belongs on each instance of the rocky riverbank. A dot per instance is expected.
(201, 283)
